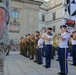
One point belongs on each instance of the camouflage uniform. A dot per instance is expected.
(70, 47)
(25, 48)
(4, 6)
(31, 50)
(28, 46)
(35, 50)
(22, 46)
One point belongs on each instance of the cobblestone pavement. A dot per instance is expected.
(16, 64)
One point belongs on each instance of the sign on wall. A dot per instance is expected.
(14, 26)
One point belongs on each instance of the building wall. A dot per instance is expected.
(58, 21)
(29, 20)
(42, 23)
(49, 22)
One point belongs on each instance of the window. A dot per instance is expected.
(15, 14)
(53, 28)
(43, 17)
(54, 15)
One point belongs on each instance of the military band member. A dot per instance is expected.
(40, 49)
(31, 47)
(48, 47)
(35, 46)
(28, 46)
(44, 33)
(73, 38)
(63, 50)
(25, 46)
(22, 43)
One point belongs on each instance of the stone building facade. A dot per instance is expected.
(24, 18)
(32, 15)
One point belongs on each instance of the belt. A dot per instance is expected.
(40, 48)
(63, 48)
(48, 44)
(74, 45)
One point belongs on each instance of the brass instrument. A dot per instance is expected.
(22, 42)
(45, 35)
(27, 39)
(70, 42)
(55, 42)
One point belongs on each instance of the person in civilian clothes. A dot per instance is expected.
(48, 47)
(40, 49)
(63, 50)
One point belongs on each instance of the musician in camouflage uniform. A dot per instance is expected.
(32, 47)
(4, 19)
(25, 47)
(35, 46)
(22, 44)
(28, 45)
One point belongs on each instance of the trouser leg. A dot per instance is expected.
(74, 54)
(48, 55)
(63, 55)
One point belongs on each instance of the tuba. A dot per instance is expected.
(55, 42)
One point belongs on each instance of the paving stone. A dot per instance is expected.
(16, 64)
